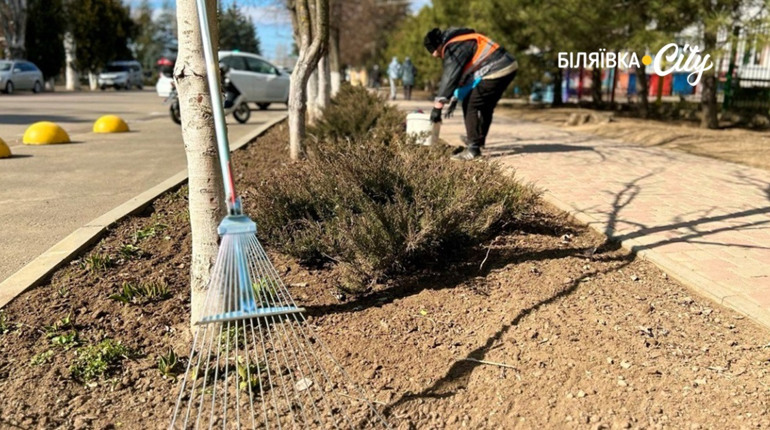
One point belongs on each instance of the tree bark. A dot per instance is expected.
(13, 20)
(596, 86)
(312, 97)
(709, 93)
(643, 91)
(334, 60)
(558, 78)
(71, 71)
(205, 178)
(312, 30)
(324, 86)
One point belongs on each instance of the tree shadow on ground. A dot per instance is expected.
(459, 373)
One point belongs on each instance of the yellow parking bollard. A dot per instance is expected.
(5, 151)
(45, 133)
(110, 124)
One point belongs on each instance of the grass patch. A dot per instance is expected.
(97, 263)
(95, 361)
(5, 325)
(149, 231)
(142, 292)
(168, 364)
(42, 358)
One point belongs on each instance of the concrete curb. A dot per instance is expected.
(44, 265)
(693, 280)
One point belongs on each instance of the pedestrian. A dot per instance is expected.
(394, 73)
(408, 73)
(476, 71)
(375, 77)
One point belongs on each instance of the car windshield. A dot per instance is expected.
(116, 68)
(5, 66)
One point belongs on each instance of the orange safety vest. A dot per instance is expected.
(484, 48)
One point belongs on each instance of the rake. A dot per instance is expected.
(255, 362)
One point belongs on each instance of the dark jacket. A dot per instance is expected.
(458, 54)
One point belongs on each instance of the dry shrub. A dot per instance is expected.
(378, 205)
(356, 114)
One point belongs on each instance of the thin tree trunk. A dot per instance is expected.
(92, 81)
(71, 71)
(334, 60)
(643, 91)
(324, 85)
(596, 86)
(709, 93)
(313, 33)
(205, 179)
(13, 21)
(312, 97)
(558, 78)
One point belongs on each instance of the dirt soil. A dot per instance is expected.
(546, 327)
(743, 146)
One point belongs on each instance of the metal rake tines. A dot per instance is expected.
(255, 363)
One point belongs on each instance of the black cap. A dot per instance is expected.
(433, 40)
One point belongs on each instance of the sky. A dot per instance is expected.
(272, 21)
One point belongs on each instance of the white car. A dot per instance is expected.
(121, 74)
(259, 81)
(20, 75)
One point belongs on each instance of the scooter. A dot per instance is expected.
(234, 103)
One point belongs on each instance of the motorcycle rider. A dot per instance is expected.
(476, 71)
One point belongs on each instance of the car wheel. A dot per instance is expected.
(37, 88)
(9, 87)
(263, 106)
(242, 113)
(103, 87)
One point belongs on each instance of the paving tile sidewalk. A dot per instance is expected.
(703, 221)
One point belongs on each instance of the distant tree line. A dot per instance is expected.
(537, 30)
(101, 31)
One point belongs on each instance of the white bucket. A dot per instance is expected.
(419, 125)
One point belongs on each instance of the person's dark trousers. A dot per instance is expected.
(408, 92)
(479, 106)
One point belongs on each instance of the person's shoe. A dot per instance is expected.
(467, 155)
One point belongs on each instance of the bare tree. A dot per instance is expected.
(205, 178)
(13, 20)
(310, 19)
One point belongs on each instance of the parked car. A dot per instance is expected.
(261, 82)
(20, 75)
(121, 75)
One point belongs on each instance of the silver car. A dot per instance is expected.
(121, 74)
(259, 81)
(20, 75)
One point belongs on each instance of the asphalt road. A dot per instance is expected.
(48, 191)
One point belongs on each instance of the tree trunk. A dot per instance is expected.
(709, 93)
(596, 86)
(643, 91)
(313, 33)
(205, 178)
(13, 22)
(71, 71)
(334, 60)
(324, 85)
(558, 78)
(312, 97)
(93, 83)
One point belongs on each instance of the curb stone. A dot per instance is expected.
(39, 269)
